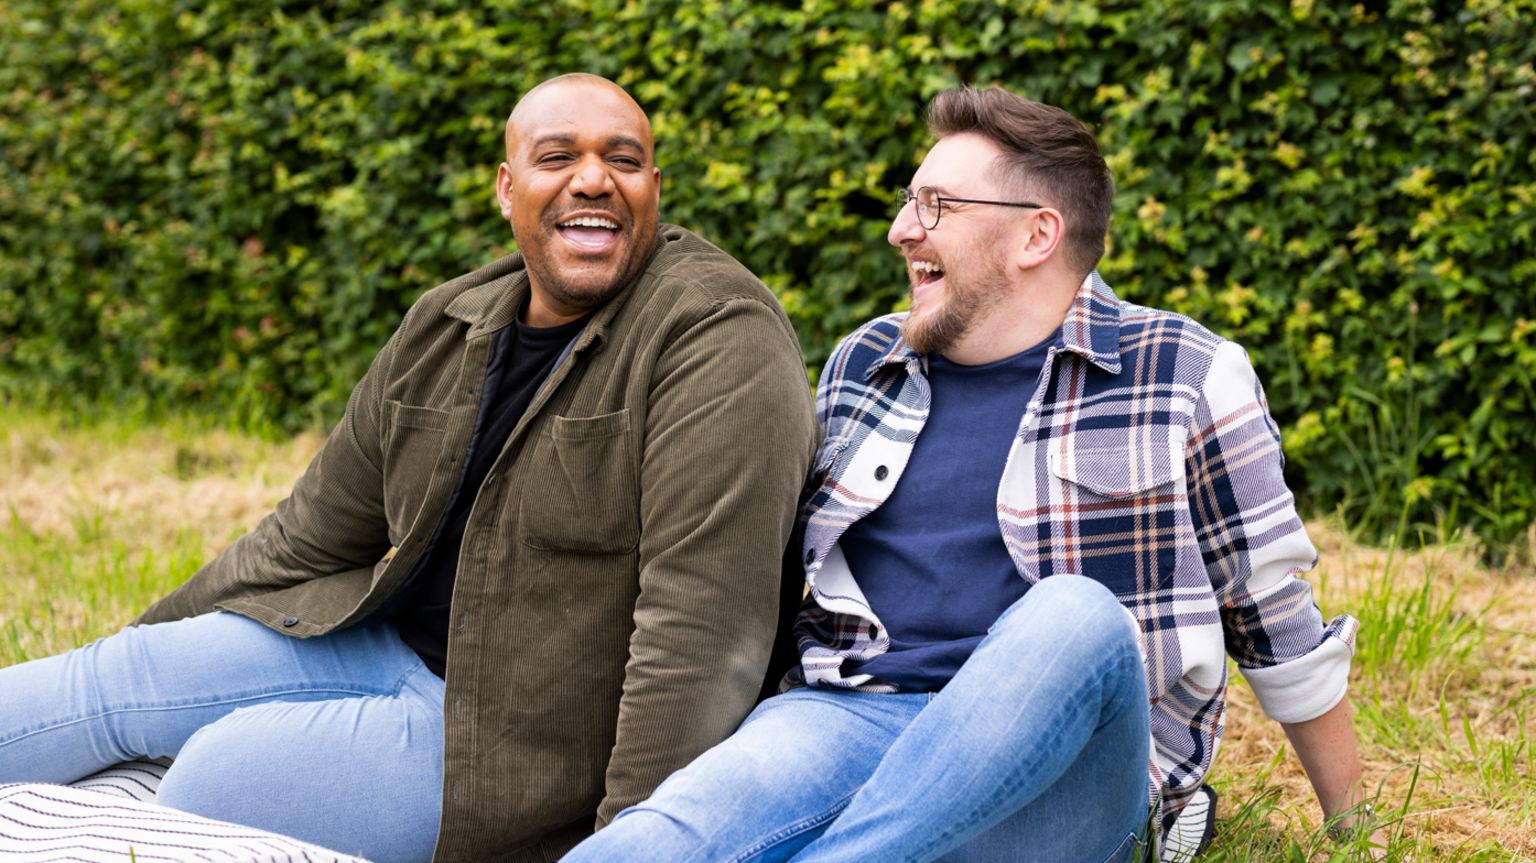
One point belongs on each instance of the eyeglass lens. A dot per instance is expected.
(928, 205)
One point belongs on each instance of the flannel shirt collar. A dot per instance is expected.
(1090, 329)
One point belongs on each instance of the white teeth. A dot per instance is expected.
(590, 222)
(926, 267)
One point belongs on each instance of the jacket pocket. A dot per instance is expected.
(1130, 514)
(582, 487)
(413, 441)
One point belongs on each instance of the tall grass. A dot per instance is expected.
(98, 520)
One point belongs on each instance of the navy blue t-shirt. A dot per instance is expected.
(931, 559)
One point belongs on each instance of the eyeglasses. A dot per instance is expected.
(930, 204)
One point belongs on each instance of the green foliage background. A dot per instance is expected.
(229, 203)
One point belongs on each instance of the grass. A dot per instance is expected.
(1444, 687)
(98, 520)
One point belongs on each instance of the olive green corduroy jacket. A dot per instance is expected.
(619, 576)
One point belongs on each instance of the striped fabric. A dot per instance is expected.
(1193, 830)
(1146, 459)
(135, 780)
(41, 823)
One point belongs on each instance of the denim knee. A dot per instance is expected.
(1075, 606)
(209, 763)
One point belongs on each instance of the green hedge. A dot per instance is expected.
(230, 203)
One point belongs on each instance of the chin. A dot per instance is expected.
(588, 296)
(597, 288)
(929, 332)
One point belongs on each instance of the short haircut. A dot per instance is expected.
(1048, 156)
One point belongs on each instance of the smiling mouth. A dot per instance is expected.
(589, 233)
(925, 273)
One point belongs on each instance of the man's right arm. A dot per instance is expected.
(332, 521)
(1326, 747)
(1296, 664)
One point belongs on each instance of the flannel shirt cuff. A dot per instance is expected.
(1309, 685)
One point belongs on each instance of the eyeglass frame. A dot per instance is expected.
(904, 196)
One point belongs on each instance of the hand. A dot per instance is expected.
(1349, 828)
(1378, 844)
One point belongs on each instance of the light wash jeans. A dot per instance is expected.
(1036, 750)
(336, 740)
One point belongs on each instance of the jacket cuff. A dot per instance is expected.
(1309, 685)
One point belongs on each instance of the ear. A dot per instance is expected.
(504, 190)
(656, 181)
(1042, 234)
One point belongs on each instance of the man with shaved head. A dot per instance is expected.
(533, 571)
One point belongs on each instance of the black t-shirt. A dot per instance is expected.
(521, 358)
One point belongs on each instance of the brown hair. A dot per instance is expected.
(1048, 156)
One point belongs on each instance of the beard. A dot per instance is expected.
(588, 287)
(968, 297)
(578, 290)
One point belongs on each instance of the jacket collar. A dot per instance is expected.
(1091, 329)
(492, 304)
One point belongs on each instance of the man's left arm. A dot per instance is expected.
(1255, 549)
(728, 441)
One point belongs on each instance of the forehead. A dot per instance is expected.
(583, 111)
(957, 163)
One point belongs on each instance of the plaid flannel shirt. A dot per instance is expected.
(1146, 459)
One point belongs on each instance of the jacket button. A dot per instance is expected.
(290, 621)
(810, 557)
(882, 472)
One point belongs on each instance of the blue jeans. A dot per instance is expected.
(336, 740)
(1036, 750)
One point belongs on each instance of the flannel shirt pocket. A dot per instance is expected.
(1126, 502)
(1116, 472)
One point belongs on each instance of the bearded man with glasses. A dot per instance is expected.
(1039, 518)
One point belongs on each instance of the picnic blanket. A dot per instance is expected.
(62, 823)
(138, 780)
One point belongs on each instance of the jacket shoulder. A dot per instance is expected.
(1174, 347)
(1138, 322)
(701, 271)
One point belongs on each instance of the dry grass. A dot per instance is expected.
(1445, 694)
(101, 520)
(169, 478)
(98, 521)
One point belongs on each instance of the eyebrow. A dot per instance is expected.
(567, 140)
(625, 141)
(613, 141)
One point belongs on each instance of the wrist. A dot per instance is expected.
(1355, 823)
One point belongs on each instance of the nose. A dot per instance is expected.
(591, 179)
(905, 228)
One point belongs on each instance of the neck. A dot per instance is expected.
(1022, 319)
